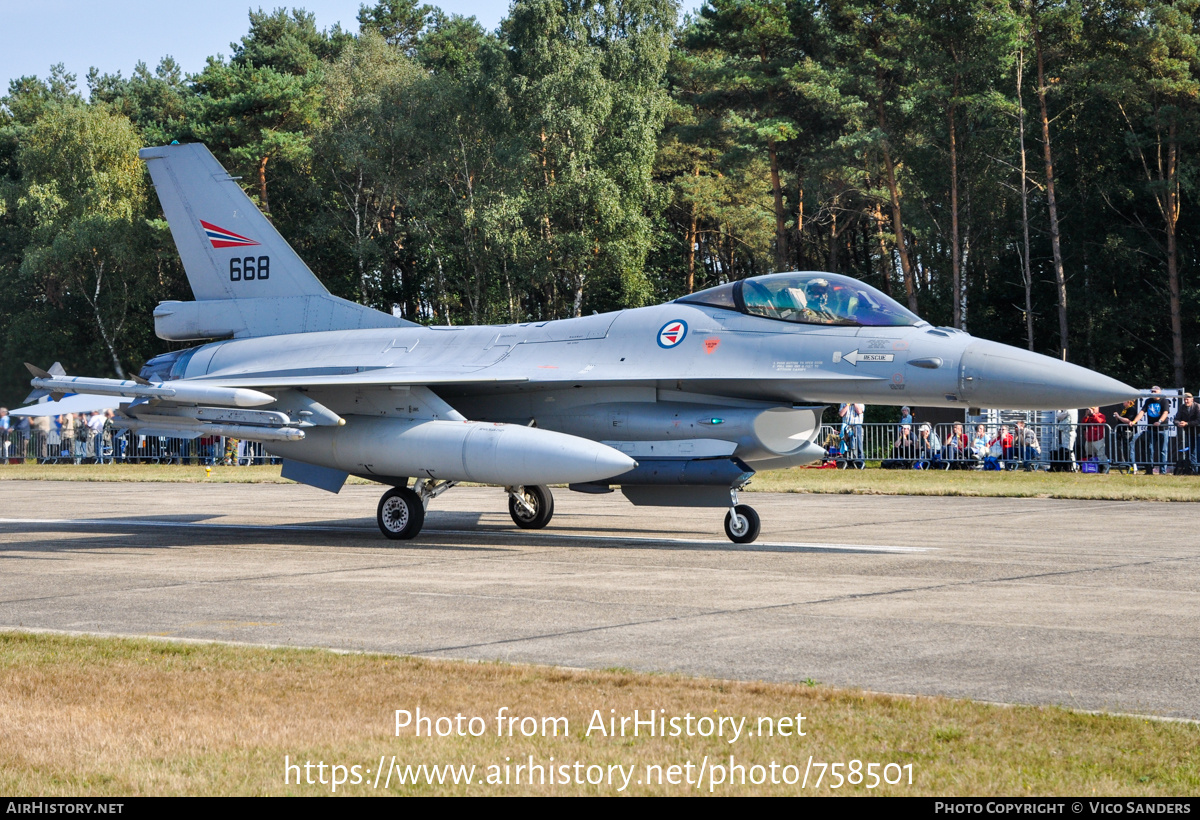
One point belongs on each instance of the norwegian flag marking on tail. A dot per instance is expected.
(222, 238)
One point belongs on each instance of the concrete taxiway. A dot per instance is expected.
(1086, 604)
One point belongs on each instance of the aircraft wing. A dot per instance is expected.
(229, 404)
(384, 376)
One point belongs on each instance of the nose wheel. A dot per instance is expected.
(742, 524)
(531, 506)
(401, 514)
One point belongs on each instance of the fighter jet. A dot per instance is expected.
(677, 404)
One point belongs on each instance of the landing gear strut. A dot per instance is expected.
(742, 524)
(401, 514)
(531, 506)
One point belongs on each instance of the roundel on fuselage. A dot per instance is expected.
(672, 333)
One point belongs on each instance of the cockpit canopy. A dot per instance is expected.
(808, 297)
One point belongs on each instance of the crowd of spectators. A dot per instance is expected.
(69, 437)
(90, 438)
(1145, 438)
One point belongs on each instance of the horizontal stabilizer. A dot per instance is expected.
(74, 403)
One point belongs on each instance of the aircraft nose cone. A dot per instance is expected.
(996, 375)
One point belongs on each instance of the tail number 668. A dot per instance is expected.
(249, 268)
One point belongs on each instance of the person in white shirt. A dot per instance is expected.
(852, 421)
(96, 425)
(1068, 426)
(5, 427)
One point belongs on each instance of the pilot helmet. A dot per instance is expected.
(818, 289)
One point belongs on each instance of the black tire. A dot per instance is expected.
(749, 525)
(541, 499)
(401, 514)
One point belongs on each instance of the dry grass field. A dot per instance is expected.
(95, 716)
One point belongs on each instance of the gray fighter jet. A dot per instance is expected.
(677, 404)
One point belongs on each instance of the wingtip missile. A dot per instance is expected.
(182, 392)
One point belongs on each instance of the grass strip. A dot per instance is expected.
(105, 716)
(1010, 484)
(154, 473)
(1018, 484)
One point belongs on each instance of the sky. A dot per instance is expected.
(113, 35)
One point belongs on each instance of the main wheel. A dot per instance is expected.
(745, 527)
(537, 496)
(401, 514)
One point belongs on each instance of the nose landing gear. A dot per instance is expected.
(742, 524)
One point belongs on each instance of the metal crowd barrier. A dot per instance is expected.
(1096, 448)
(114, 446)
(1066, 447)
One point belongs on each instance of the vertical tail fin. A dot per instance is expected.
(220, 233)
(230, 251)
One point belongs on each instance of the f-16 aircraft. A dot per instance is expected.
(677, 404)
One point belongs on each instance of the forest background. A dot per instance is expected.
(1015, 168)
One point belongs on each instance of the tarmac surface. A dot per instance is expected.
(1085, 604)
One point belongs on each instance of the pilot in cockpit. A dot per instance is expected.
(817, 298)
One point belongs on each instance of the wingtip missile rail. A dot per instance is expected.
(181, 392)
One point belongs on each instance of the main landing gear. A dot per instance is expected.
(401, 511)
(531, 506)
(742, 523)
(400, 514)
